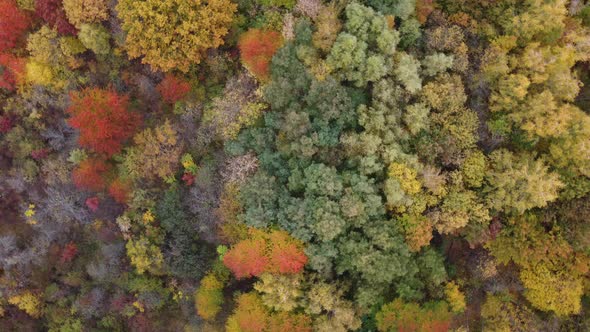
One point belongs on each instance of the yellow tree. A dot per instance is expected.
(173, 34)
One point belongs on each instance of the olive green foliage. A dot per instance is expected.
(95, 37)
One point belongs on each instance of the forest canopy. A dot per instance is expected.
(294, 165)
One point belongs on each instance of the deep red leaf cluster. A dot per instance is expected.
(52, 12)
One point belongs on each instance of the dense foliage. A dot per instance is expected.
(294, 165)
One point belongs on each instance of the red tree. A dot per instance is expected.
(257, 48)
(119, 191)
(173, 89)
(103, 118)
(12, 71)
(69, 252)
(5, 124)
(13, 24)
(92, 203)
(247, 258)
(52, 12)
(90, 174)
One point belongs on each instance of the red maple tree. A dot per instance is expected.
(173, 89)
(90, 174)
(13, 24)
(257, 48)
(103, 118)
(52, 12)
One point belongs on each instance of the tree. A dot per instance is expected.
(13, 72)
(274, 252)
(120, 190)
(13, 24)
(247, 258)
(250, 315)
(209, 297)
(174, 34)
(551, 290)
(327, 28)
(257, 48)
(90, 174)
(455, 297)
(519, 182)
(145, 255)
(52, 12)
(103, 118)
(85, 11)
(95, 37)
(401, 316)
(173, 89)
(28, 302)
(280, 292)
(155, 154)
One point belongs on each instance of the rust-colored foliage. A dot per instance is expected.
(423, 9)
(13, 24)
(173, 89)
(68, 253)
(52, 12)
(103, 118)
(120, 191)
(284, 321)
(89, 174)
(250, 314)
(274, 252)
(257, 48)
(247, 258)
(11, 71)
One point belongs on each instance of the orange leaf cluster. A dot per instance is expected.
(274, 252)
(257, 48)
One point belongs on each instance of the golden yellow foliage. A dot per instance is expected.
(173, 34)
(85, 11)
(27, 302)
